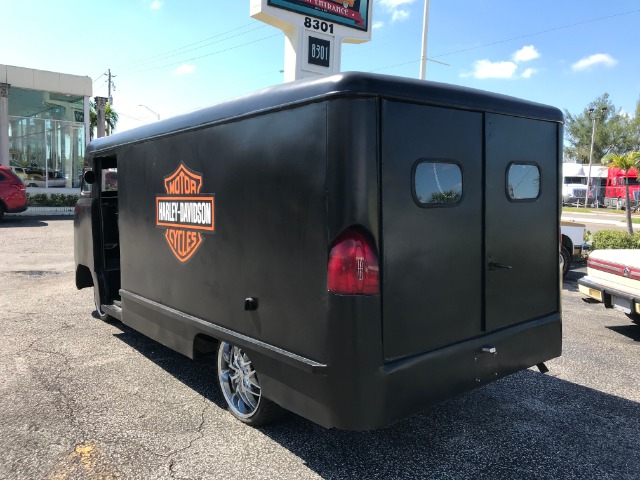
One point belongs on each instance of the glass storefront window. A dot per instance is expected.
(47, 137)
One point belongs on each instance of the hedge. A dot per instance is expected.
(614, 239)
(53, 200)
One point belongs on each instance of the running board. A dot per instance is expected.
(114, 310)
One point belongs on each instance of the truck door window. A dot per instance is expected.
(110, 180)
(437, 183)
(523, 181)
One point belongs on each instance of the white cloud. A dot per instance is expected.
(156, 4)
(598, 59)
(393, 4)
(525, 54)
(377, 25)
(483, 69)
(393, 7)
(399, 15)
(185, 69)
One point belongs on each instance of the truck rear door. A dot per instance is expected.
(469, 219)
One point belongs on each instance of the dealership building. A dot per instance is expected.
(44, 126)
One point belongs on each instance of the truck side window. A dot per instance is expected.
(523, 181)
(437, 183)
(110, 180)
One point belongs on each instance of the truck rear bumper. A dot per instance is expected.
(433, 377)
(368, 400)
(579, 250)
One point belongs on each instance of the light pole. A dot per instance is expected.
(425, 34)
(156, 114)
(592, 112)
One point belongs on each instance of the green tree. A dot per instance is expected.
(626, 162)
(616, 132)
(110, 116)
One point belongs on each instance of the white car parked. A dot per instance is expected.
(613, 278)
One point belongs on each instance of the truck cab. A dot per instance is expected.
(574, 184)
(615, 193)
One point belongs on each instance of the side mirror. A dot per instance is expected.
(89, 177)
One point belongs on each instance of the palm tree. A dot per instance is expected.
(110, 117)
(626, 162)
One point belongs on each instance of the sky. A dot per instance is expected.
(169, 57)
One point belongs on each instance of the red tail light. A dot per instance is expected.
(353, 265)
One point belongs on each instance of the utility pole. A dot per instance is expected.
(111, 84)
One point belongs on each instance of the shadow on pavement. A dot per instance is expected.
(10, 221)
(198, 376)
(528, 425)
(571, 280)
(630, 331)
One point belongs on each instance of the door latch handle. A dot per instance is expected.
(496, 265)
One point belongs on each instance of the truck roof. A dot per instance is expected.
(351, 84)
(573, 170)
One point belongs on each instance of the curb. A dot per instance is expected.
(37, 211)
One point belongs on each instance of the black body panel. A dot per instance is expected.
(287, 170)
(521, 234)
(270, 227)
(432, 256)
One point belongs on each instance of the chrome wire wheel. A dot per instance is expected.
(238, 381)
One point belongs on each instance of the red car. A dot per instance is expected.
(13, 195)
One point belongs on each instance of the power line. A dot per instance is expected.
(172, 53)
(537, 33)
(206, 55)
(510, 39)
(181, 50)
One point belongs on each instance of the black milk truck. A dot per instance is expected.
(353, 249)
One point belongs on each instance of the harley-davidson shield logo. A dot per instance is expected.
(185, 212)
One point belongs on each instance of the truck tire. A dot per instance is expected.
(240, 387)
(566, 261)
(1, 210)
(99, 313)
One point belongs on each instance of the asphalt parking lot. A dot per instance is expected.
(84, 399)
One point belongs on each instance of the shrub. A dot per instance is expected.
(53, 200)
(614, 239)
(37, 200)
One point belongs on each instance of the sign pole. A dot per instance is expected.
(315, 31)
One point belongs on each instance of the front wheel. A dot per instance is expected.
(566, 261)
(239, 384)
